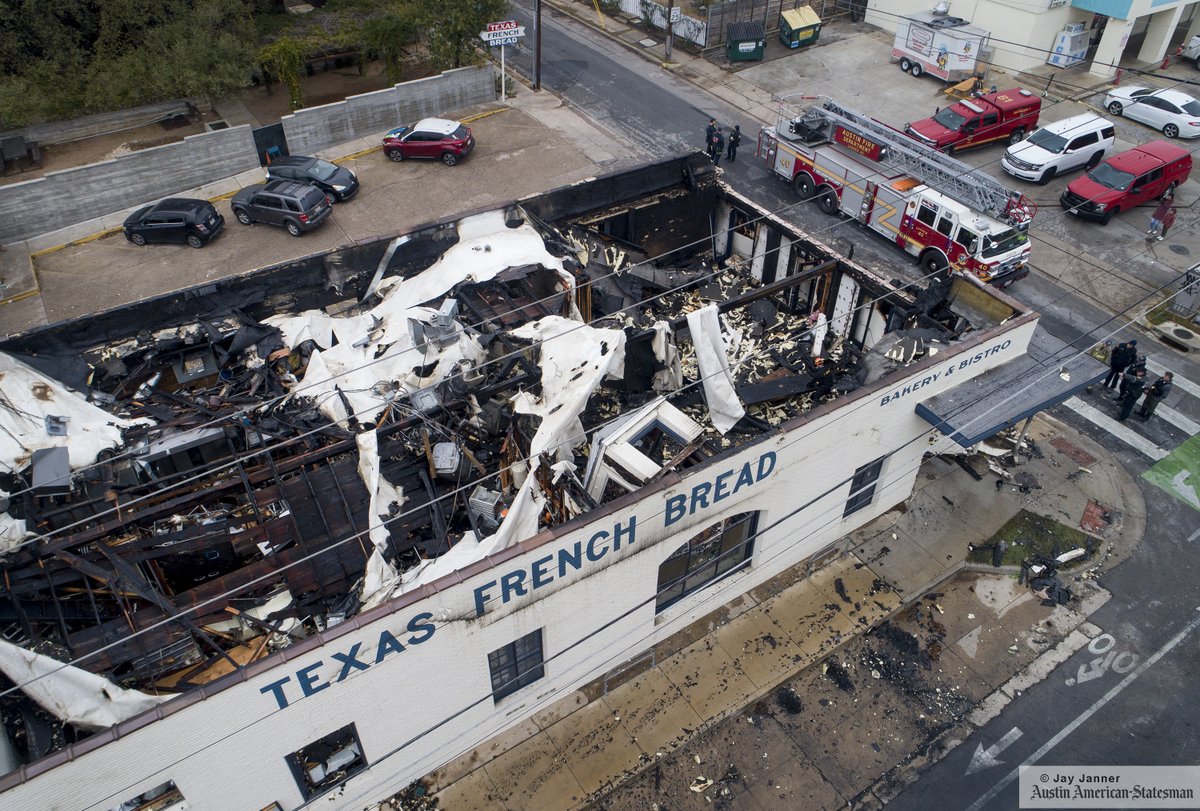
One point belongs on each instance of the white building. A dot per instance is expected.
(1023, 34)
(720, 449)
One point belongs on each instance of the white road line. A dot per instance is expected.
(1157, 369)
(1085, 715)
(1117, 429)
(1178, 420)
(1191, 537)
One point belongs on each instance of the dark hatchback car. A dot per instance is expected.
(298, 207)
(336, 181)
(436, 138)
(178, 219)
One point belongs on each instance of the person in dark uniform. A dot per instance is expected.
(708, 134)
(1133, 393)
(1156, 392)
(1138, 365)
(735, 139)
(1120, 358)
(718, 147)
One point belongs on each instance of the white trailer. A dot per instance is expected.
(943, 46)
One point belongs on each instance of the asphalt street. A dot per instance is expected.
(1117, 701)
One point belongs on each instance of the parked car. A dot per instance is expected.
(1174, 114)
(1000, 115)
(178, 219)
(1080, 140)
(1128, 179)
(430, 138)
(1191, 51)
(298, 207)
(336, 181)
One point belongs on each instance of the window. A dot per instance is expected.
(990, 119)
(516, 665)
(327, 762)
(862, 487)
(714, 553)
(945, 225)
(927, 213)
(1085, 140)
(163, 798)
(968, 239)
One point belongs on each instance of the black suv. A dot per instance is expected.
(298, 207)
(178, 219)
(337, 182)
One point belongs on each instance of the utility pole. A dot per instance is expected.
(537, 44)
(670, 31)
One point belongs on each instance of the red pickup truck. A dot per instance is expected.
(1006, 114)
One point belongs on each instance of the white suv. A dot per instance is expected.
(1080, 140)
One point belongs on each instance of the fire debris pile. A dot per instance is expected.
(185, 501)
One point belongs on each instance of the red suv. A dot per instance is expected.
(430, 138)
(1006, 115)
(1125, 180)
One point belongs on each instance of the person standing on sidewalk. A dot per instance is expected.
(1156, 392)
(735, 139)
(1133, 393)
(708, 134)
(1168, 220)
(1156, 219)
(1121, 357)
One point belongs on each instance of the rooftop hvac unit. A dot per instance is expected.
(484, 508)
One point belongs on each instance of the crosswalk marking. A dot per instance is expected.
(1157, 369)
(1116, 428)
(1178, 420)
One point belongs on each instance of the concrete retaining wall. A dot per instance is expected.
(316, 128)
(61, 199)
(74, 195)
(61, 132)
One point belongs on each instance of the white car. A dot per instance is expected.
(1175, 114)
(1059, 147)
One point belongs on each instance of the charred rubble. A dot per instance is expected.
(236, 504)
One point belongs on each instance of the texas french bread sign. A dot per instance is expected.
(506, 32)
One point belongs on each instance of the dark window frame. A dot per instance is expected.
(512, 666)
(862, 486)
(334, 742)
(700, 562)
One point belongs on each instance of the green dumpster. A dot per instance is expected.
(744, 41)
(799, 26)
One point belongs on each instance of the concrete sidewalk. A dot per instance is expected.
(607, 732)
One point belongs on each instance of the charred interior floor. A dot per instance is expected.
(232, 516)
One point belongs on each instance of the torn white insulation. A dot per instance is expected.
(356, 371)
(668, 379)
(12, 530)
(574, 359)
(380, 574)
(724, 407)
(71, 694)
(27, 397)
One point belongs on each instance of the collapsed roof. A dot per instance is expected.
(185, 498)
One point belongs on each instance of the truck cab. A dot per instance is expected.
(949, 235)
(1006, 115)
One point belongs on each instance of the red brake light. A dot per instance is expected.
(303, 218)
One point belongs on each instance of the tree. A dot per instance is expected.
(452, 29)
(384, 36)
(284, 59)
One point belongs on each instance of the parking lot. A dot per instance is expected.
(516, 154)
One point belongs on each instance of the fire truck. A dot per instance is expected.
(951, 217)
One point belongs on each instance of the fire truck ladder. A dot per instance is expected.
(949, 176)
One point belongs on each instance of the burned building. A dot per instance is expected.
(340, 520)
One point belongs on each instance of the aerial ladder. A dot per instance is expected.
(900, 153)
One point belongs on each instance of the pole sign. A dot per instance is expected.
(506, 32)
